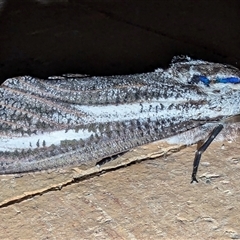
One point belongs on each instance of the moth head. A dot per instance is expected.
(210, 76)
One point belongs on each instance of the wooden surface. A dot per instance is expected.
(151, 199)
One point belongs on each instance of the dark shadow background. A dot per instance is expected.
(114, 36)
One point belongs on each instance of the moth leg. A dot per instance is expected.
(201, 147)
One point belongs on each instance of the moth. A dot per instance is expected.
(79, 120)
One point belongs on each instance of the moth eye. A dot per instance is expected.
(199, 78)
(233, 80)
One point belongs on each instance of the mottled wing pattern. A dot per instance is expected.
(78, 120)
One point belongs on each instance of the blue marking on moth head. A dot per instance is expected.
(198, 78)
(234, 80)
(204, 80)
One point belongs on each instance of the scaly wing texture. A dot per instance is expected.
(78, 120)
